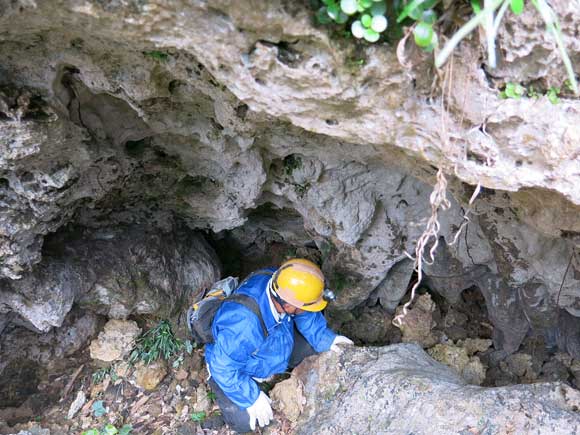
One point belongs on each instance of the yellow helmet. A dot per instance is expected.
(300, 283)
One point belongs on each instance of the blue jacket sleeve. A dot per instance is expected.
(314, 329)
(238, 334)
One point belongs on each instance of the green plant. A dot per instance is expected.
(100, 375)
(291, 163)
(513, 90)
(198, 416)
(211, 396)
(157, 55)
(553, 95)
(366, 17)
(517, 91)
(421, 11)
(110, 429)
(532, 93)
(301, 189)
(354, 63)
(485, 17)
(157, 342)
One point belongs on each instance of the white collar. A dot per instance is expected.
(277, 316)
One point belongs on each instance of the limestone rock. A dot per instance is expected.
(554, 370)
(116, 271)
(372, 326)
(77, 404)
(119, 117)
(418, 324)
(288, 398)
(474, 371)
(34, 431)
(202, 400)
(405, 391)
(520, 364)
(150, 376)
(452, 356)
(575, 371)
(475, 345)
(458, 358)
(116, 340)
(123, 369)
(181, 374)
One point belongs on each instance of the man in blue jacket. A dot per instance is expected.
(290, 301)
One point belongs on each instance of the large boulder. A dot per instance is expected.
(115, 272)
(400, 389)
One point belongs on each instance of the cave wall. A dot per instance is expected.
(148, 117)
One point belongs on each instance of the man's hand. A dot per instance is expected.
(339, 339)
(261, 411)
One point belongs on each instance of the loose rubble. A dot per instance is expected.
(116, 341)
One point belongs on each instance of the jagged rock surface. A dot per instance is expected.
(113, 271)
(126, 112)
(405, 391)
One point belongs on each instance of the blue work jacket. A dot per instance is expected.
(240, 350)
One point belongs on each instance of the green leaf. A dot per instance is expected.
(378, 8)
(91, 432)
(109, 429)
(433, 45)
(429, 16)
(371, 36)
(349, 7)
(415, 8)
(126, 430)
(476, 6)
(365, 4)
(366, 20)
(513, 90)
(423, 34)
(379, 23)
(342, 18)
(532, 93)
(99, 409)
(157, 55)
(517, 6)
(198, 416)
(333, 11)
(553, 95)
(357, 29)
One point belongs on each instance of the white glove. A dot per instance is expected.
(339, 339)
(260, 380)
(261, 411)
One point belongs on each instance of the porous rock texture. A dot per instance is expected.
(115, 341)
(244, 114)
(405, 391)
(116, 272)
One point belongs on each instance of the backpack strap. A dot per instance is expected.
(256, 273)
(251, 304)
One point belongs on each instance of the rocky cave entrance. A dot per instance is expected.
(42, 368)
(134, 173)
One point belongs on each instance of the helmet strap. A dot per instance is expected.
(278, 299)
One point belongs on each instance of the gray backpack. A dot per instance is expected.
(201, 313)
